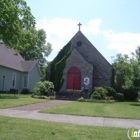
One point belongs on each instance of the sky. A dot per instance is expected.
(112, 26)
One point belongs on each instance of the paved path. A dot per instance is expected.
(40, 106)
(81, 120)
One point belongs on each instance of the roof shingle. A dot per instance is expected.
(11, 59)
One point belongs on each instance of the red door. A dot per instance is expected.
(74, 79)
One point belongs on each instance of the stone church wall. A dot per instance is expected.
(76, 60)
(102, 68)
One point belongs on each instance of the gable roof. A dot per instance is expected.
(91, 54)
(79, 36)
(28, 65)
(11, 59)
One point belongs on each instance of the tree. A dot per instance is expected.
(127, 74)
(17, 24)
(122, 70)
(39, 51)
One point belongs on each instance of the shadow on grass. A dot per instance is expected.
(135, 104)
(8, 97)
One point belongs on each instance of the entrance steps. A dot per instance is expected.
(68, 95)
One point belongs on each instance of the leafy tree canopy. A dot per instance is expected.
(38, 51)
(17, 24)
(127, 71)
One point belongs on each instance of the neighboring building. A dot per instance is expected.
(85, 67)
(15, 72)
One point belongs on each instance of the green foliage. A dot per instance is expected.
(39, 51)
(17, 24)
(48, 85)
(25, 91)
(14, 100)
(59, 67)
(109, 98)
(110, 91)
(96, 95)
(131, 94)
(138, 95)
(43, 72)
(81, 99)
(102, 91)
(43, 97)
(43, 87)
(127, 74)
(120, 97)
(60, 60)
(51, 98)
(29, 129)
(122, 69)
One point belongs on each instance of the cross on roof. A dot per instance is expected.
(79, 25)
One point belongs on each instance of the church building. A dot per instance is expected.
(85, 67)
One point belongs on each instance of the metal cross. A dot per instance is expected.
(79, 25)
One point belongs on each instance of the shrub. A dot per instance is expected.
(42, 87)
(81, 99)
(109, 97)
(48, 85)
(131, 94)
(119, 96)
(96, 95)
(95, 100)
(138, 95)
(102, 91)
(25, 91)
(51, 98)
(110, 91)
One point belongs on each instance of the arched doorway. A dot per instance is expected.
(74, 79)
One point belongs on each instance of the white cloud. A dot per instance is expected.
(123, 42)
(59, 31)
(94, 25)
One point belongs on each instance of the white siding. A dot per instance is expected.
(34, 77)
(8, 73)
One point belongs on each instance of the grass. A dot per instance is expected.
(26, 129)
(128, 110)
(11, 100)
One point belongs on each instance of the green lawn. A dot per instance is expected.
(11, 100)
(117, 109)
(26, 129)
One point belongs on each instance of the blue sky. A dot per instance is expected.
(112, 26)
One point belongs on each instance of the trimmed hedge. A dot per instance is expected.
(81, 99)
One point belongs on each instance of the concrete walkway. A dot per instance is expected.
(41, 106)
(80, 120)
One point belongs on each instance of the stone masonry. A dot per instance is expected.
(102, 68)
(89, 61)
(76, 60)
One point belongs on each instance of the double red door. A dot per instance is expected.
(74, 79)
